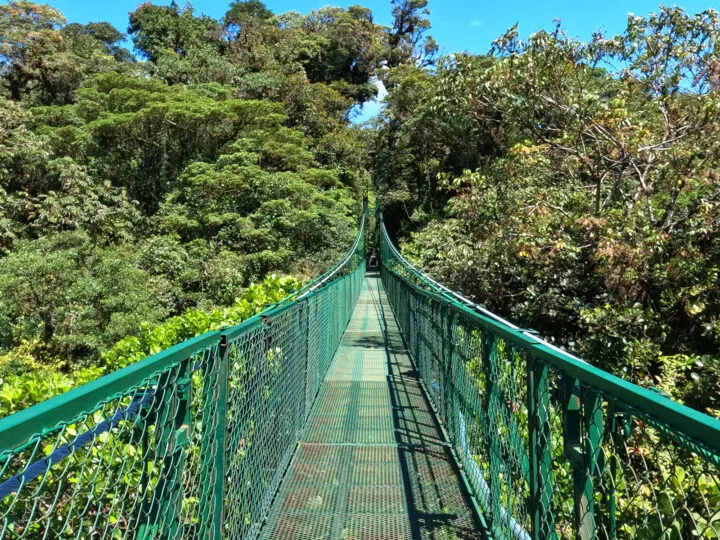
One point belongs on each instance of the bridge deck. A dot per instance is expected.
(372, 463)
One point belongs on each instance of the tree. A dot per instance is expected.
(29, 39)
(77, 298)
(133, 190)
(157, 30)
(572, 199)
(101, 210)
(242, 16)
(104, 34)
(341, 48)
(406, 41)
(44, 62)
(141, 133)
(24, 153)
(265, 200)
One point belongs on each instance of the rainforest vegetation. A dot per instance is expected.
(574, 188)
(150, 195)
(178, 175)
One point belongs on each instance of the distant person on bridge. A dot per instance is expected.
(373, 260)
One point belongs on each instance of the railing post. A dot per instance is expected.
(212, 449)
(609, 496)
(540, 451)
(309, 384)
(494, 402)
(594, 424)
(582, 434)
(172, 419)
(448, 376)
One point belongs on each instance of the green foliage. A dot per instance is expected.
(406, 40)
(577, 201)
(45, 62)
(104, 34)
(162, 188)
(103, 211)
(242, 15)
(76, 297)
(193, 322)
(26, 382)
(140, 133)
(159, 30)
(264, 196)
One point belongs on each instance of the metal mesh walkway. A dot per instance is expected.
(372, 463)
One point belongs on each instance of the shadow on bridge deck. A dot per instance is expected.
(372, 463)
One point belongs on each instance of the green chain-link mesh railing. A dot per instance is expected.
(552, 446)
(188, 443)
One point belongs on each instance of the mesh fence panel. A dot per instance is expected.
(128, 466)
(190, 443)
(275, 371)
(194, 442)
(554, 448)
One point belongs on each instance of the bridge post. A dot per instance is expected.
(212, 447)
(490, 366)
(171, 418)
(304, 322)
(540, 451)
(594, 426)
(582, 411)
(448, 376)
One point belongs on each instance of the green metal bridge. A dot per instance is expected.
(367, 405)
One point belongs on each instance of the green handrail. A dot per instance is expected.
(191, 442)
(553, 446)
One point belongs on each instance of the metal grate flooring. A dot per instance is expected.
(372, 463)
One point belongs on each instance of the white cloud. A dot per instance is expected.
(477, 23)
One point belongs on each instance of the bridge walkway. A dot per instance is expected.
(373, 463)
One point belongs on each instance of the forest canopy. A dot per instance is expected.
(570, 186)
(152, 194)
(180, 175)
(573, 187)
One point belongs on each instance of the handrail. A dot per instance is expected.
(168, 446)
(456, 296)
(17, 428)
(303, 291)
(320, 281)
(702, 427)
(552, 445)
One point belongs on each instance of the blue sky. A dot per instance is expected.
(457, 25)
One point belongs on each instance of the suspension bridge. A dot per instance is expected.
(366, 405)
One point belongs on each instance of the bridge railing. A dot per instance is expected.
(188, 443)
(553, 446)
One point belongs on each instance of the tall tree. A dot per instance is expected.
(341, 48)
(43, 61)
(243, 15)
(407, 42)
(576, 200)
(159, 29)
(103, 34)
(29, 38)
